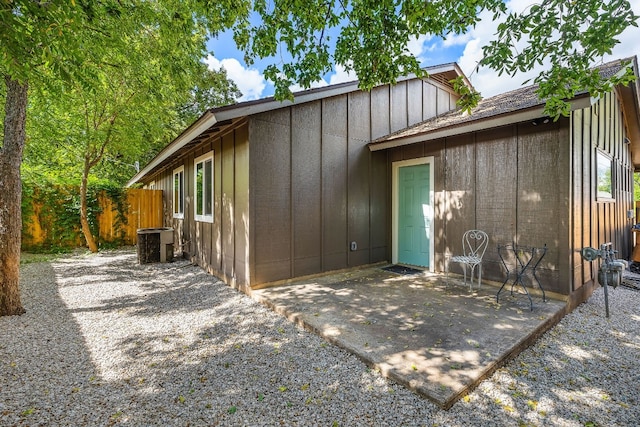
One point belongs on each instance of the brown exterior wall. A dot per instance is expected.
(532, 185)
(316, 187)
(506, 181)
(295, 186)
(593, 221)
(221, 247)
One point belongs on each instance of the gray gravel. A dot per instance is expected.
(108, 342)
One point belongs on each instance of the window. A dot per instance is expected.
(204, 188)
(178, 193)
(604, 178)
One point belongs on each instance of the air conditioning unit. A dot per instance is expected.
(155, 245)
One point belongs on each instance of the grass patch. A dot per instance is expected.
(32, 258)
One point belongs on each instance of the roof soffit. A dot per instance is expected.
(630, 103)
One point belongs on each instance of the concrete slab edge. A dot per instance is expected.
(511, 354)
(390, 373)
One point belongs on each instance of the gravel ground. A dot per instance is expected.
(108, 342)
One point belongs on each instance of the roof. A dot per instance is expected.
(519, 99)
(506, 108)
(220, 119)
(440, 73)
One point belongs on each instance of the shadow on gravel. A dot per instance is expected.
(47, 376)
(603, 374)
(141, 290)
(193, 351)
(108, 342)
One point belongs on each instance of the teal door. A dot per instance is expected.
(414, 215)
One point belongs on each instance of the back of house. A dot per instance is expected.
(265, 191)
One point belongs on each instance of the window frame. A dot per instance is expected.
(178, 213)
(205, 216)
(604, 158)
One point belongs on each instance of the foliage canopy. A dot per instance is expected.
(373, 35)
(121, 74)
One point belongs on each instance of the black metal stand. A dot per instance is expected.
(527, 259)
(610, 271)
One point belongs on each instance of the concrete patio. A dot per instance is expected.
(439, 339)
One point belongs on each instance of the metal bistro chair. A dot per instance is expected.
(474, 244)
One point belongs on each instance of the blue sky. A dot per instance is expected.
(466, 50)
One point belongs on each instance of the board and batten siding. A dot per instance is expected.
(593, 221)
(534, 186)
(315, 187)
(509, 182)
(220, 247)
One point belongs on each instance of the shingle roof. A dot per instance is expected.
(505, 103)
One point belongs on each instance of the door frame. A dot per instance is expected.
(395, 172)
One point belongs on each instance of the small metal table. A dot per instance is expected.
(524, 262)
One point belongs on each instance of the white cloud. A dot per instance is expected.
(456, 39)
(416, 46)
(249, 80)
(252, 83)
(341, 75)
(487, 81)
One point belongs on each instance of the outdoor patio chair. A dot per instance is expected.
(474, 244)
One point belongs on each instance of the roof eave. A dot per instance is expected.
(631, 106)
(205, 121)
(267, 104)
(475, 125)
(230, 112)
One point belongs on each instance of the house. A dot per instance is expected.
(265, 191)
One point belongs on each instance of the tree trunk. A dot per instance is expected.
(11, 196)
(84, 219)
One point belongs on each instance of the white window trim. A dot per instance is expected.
(202, 159)
(176, 214)
(605, 196)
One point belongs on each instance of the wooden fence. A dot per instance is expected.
(144, 210)
(117, 222)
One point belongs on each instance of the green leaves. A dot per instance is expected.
(152, 50)
(128, 82)
(372, 37)
(568, 38)
(469, 98)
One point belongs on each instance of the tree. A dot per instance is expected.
(57, 47)
(29, 34)
(116, 121)
(38, 42)
(59, 135)
(568, 36)
(10, 214)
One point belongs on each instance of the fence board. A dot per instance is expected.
(142, 209)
